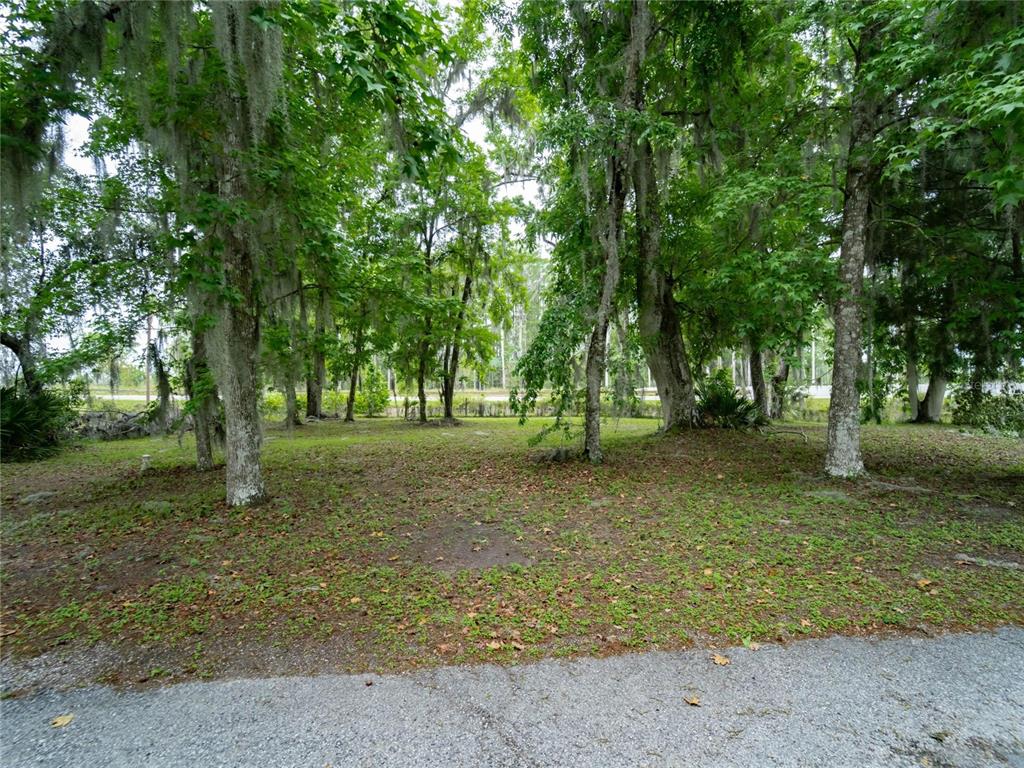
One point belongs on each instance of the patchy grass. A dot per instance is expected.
(390, 546)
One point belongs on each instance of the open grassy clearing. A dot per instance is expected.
(388, 545)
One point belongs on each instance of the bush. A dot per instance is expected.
(334, 401)
(719, 404)
(33, 426)
(1001, 413)
(373, 399)
(272, 404)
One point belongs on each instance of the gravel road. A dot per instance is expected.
(954, 700)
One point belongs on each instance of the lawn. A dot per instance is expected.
(390, 546)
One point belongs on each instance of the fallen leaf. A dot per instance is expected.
(693, 701)
(392, 558)
(708, 571)
(355, 600)
(495, 645)
(62, 720)
(721, 660)
(805, 623)
(922, 583)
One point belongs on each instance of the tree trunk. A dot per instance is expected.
(594, 374)
(778, 397)
(350, 406)
(291, 406)
(202, 394)
(658, 318)
(236, 343)
(421, 382)
(610, 234)
(317, 379)
(161, 422)
(357, 358)
(448, 385)
(843, 455)
(149, 361)
(22, 349)
(757, 382)
(913, 399)
(452, 357)
(933, 398)
(502, 350)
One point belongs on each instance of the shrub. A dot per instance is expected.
(272, 404)
(33, 426)
(334, 401)
(720, 404)
(373, 399)
(1002, 413)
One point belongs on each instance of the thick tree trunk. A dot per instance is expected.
(934, 397)
(843, 455)
(658, 318)
(22, 349)
(757, 381)
(778, 396)
(236, 342)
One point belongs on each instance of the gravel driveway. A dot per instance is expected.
(953, 700)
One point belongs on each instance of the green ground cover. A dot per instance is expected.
(389, 545)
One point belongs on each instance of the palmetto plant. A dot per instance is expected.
(31, 425)
(720, 404)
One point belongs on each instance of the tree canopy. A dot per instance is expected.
(310, 193)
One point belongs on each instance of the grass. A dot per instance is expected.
(390, 546)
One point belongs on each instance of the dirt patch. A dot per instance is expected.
(466, 545)
(991, 513)
(902, 485)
